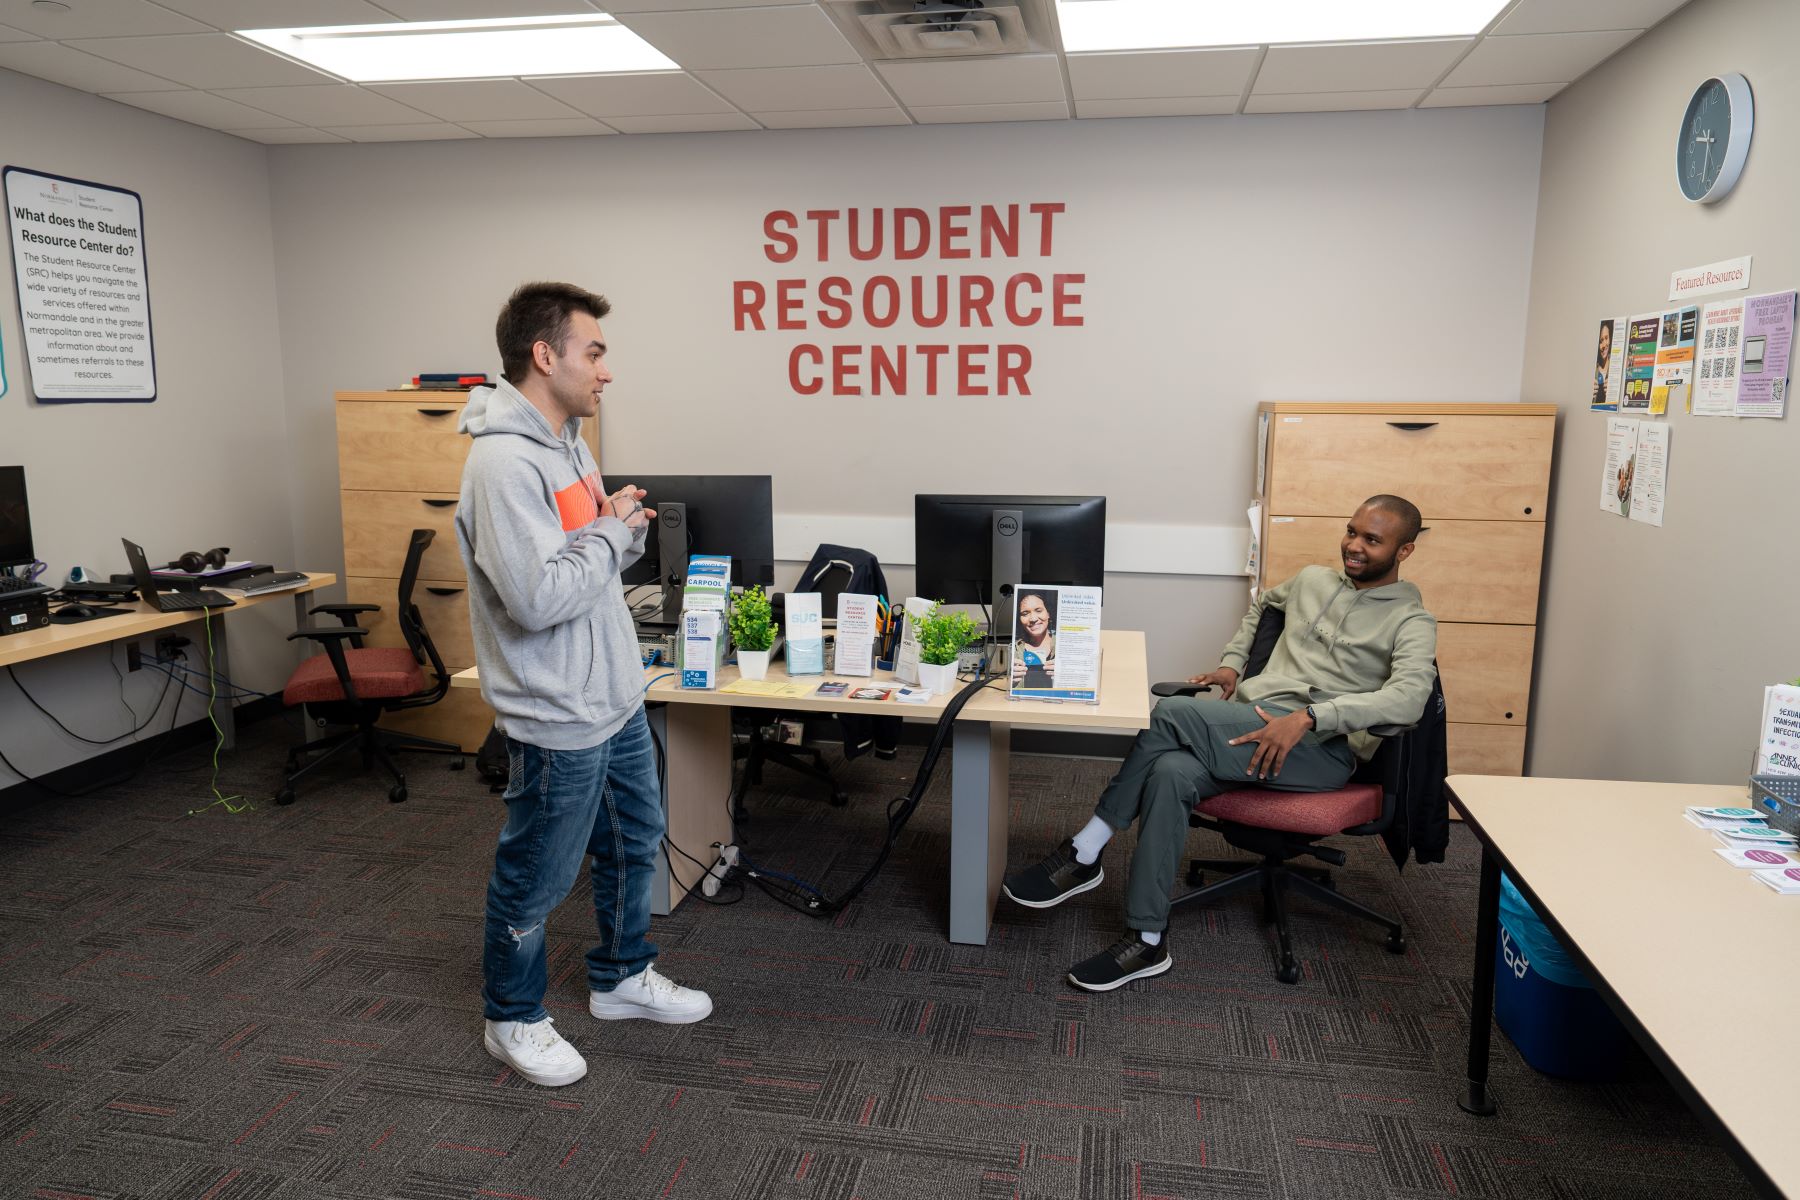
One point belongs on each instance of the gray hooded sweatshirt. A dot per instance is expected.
(1361, 658)
(553, 635)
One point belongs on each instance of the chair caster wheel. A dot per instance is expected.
(1289, 973)
(839, 799)
(397, 794)
(1196, 877)
(458, 763)
(1396, 943)
(284, 796)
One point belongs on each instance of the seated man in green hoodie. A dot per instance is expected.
(1356, 652)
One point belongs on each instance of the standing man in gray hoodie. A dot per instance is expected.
(544, 544)
(1357, 651)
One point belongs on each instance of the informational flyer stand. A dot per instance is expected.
(83, 287)
(855, 640)
(1056, 643)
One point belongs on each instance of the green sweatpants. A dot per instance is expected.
(1183, 758)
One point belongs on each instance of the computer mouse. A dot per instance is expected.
(83, 611)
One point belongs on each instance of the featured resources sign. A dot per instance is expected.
(84, 287)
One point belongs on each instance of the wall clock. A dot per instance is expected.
(1714, 138)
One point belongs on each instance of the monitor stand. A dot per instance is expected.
(671, 534)
(1006, 564)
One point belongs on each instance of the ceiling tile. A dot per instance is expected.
(836, 118)
(286, 137)
(1506, 93)
(1167, 106)
(798, 35)
(699, 123)
(1362, 67)
(961, 81)
(1330, 101)
(792, 89)
(564, 127)
(650, 94)
(9, 34)
(209, 60)
(72, 68)
(200, 108)
(278, 14)
(477, 100)
(644, 6)
(474, 10)
(98, 18)
(1560, 16)
(400, 133)
(330, 104)
(1536, 58)
(962, 114)
(1161, 73)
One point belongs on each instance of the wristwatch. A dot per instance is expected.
(1312, 716)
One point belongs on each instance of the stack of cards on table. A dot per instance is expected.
(1770, 855)
(1785, 880)
(912, 695)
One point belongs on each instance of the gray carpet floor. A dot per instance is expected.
(284, 1002)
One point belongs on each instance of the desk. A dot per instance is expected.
(696, 730)
(143, 620)
(1683, 946)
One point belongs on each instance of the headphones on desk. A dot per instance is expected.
(195, 561)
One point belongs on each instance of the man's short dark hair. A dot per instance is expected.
(1408, 512)
(540, 312)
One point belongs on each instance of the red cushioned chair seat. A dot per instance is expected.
(376, 673)
(1296, 812)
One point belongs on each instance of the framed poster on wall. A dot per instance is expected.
(83, 286)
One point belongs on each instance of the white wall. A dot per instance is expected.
(1228, 261)
(206, 464)
(1655, 643)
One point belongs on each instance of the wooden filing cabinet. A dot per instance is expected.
(400, 461)
(1480, 474)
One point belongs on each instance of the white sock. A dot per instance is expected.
(1092, 840)
(1150, 937)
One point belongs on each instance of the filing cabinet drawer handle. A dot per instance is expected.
(435, 412)
(438, 503)
(1411, 426)
(441, 591)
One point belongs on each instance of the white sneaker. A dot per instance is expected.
(652, 997)
(535, 1051)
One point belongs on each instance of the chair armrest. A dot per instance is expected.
(342, 612)
(332, 633)
(1174, 688)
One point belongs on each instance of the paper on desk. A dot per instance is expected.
(1758, 857)
(767, 687)
(855, 642)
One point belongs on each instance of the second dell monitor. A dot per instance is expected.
(977, 549)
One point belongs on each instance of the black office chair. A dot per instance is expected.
(357, 685)
(1281, 826)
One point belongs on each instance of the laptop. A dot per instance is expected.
(168, 601)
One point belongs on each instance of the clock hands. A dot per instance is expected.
(1706, 136)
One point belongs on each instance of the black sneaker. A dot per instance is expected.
(1127, 959)
(1054, 880)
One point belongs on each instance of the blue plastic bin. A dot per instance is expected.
(1545, 1004)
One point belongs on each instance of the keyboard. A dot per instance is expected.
(183, 601)
(12, 584)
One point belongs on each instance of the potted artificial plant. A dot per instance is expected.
(753, 632)
(942, 635)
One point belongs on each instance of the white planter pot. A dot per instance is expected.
(939, 681)
(753, 664)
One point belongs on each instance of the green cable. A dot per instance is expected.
(212, 684)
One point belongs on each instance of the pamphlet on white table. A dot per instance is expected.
(1056, 643)
(805, 634)
(1759, 857)
(1723, 818)
(855, 639)
(1778, 745)
(906, 659)
(1785, 880)
(1745, 836)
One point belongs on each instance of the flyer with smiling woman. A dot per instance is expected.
(1056, 643)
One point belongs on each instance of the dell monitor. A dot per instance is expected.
(702, 514)
(15, 520)
(977, 549)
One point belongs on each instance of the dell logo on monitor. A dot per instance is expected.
(1007, 526)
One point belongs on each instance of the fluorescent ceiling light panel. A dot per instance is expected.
(487, 49)
(1166, 24)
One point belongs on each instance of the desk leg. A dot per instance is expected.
(1476, 1098)
(696, 741)
(219, 667)
(979, 760)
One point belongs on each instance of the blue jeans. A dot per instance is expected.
(605, 801)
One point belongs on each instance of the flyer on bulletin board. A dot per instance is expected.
(1764, 361)
(1640, 362)
(1609, 366)
(1674, 371)
(1650, 478)
(1621, 464)
(1716, 382)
